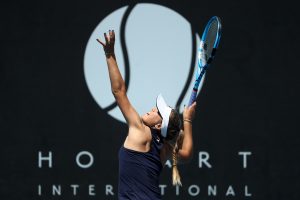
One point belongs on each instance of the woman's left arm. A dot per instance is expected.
(185, 152)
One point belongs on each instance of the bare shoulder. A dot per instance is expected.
(138, 138)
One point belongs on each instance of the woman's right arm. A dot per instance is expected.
(118, 87)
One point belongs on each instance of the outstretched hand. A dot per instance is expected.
(109, 44)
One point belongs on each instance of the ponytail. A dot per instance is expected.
(175, 173)
(174, 139)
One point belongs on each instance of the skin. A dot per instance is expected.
(152, 118)
(139, 127)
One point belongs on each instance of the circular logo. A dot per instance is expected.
(156, 53)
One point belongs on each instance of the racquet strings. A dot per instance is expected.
(210, 39)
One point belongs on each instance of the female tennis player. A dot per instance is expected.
(152, 138)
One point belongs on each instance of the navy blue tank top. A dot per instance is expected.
(139, 172)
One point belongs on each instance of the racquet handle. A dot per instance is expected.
(196, 86)
(193, 97)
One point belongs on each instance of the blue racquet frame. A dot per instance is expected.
(203, 64)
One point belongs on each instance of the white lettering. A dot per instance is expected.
(74, 189)
(39, 190)
(230, 191)
(84, 165)
(109, 190)
(168, 163)
(246, 192)
(91, 190)
(245, 154)
(196, 192)
(203, 158)
(48, 158)
(162, 189)
(212, 190)
(177, 190)
(56, 190)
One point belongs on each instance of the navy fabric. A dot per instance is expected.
(139, 172)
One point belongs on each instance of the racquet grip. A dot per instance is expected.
(193, 97)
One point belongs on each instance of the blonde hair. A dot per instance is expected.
(175, 138)
(176, 180)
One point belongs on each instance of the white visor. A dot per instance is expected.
(165, 112)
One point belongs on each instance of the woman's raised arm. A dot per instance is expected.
(118, 87)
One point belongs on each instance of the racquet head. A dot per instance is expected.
(209, 41)
(206, 52)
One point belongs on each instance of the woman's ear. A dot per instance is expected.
(157, 126)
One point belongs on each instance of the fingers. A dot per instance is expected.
(106, 38)
(110, 38)
(194, 104)
(189, 111)
(100, 42)
(191, 106)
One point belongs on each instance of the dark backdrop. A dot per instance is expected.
(248, 103)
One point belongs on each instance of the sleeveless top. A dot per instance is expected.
(139, 171)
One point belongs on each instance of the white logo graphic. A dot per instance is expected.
(154, 47)
(157, 139)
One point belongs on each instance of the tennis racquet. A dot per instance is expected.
(206, 52)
